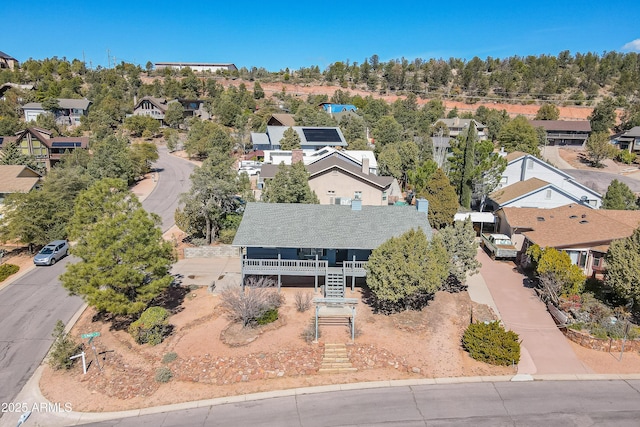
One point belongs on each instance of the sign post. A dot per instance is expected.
(91, 336)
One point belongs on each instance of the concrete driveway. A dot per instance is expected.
(545, 350)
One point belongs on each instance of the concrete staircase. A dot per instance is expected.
(335, 360)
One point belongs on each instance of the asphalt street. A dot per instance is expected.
(548, 403)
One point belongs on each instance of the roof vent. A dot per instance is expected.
(540, 218)
(584, 221)
(573, 216)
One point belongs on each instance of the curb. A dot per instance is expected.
(9, 280)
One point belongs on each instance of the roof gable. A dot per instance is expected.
(17, 179)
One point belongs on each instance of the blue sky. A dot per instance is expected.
(295, 34)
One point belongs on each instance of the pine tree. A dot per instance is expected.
(468, 168)
(290, 140)
(623, 267)
(459, 240)
(290, 185)
(619, 197)
(443, 200)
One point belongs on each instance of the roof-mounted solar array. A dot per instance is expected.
(321, 135)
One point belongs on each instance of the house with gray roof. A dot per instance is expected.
(68, 112)
(311, 138)
(457, 125)
(7, 61)
(564, 132)
(630, 140)
(328, 242)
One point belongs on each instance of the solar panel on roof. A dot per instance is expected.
(321, 135)
(66, 144)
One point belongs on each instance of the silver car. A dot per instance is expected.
(51, 253)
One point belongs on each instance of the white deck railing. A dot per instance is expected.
(260, 266)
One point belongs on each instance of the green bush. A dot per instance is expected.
(269, 316)
(626, 157)
(227, 235)
(7, 270)
(169, 357)
(152, 327)
(63, 348)
(163, 375)
(491, 343)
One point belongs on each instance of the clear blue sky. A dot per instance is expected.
(295, 34)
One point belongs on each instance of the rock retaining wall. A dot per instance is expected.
(608, 344)
(211, 252)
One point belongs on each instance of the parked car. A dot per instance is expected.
(52, 253)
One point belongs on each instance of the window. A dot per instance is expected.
(548, 194)
(529, 163)
(357, 195)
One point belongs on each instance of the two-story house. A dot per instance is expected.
(157, 108)
(43, 146)
(457, 125)
(68, 112)
(630, 140)
(530, 182)
(311, 138)
(564, 132)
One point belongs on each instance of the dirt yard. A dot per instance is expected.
(422, 344)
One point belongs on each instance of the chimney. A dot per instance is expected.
(365, 165)
(422, 205)
(296, 156)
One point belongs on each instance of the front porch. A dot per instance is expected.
(335, 277)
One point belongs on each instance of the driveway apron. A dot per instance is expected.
(522, 312)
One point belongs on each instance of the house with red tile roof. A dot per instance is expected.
(584, 233)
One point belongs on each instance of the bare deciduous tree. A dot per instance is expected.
(248, 304)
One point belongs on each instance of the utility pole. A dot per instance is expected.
(108, 59)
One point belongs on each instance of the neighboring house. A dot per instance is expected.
(355, 157)
(320, 241)
(335, 180)
(6, 86)
(43, 146)
(282, 119)
(630, 140)
(17, 179)
(522, 167)
(196, 67)
(311, 138)
(7, 61)
(338, 111)
(457, 126)
(533, 192)
(157, 107)
(584, 233)
(564, 132)
(68, 112)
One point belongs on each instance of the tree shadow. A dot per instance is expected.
(171, 299)
(413, 302)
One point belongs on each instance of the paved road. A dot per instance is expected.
(30, 306)
(548, 403)
(599, 180)
(173, 180)
(523, 312)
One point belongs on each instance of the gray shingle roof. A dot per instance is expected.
(276, 133)
(292, 225)
(562, 125)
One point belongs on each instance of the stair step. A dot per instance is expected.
(336, 370)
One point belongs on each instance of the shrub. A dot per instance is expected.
(625, 156)
(226, 236)
(152, 327)
(491, 343)
(163, 375)
(63, 348)
(248, 305)
(309, 333)
(7, 270)
(303, 301)
(169, 357)
(269, 316)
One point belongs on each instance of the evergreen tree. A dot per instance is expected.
(443, 200)
(124, 264)
(10, 154)
(548, 112)
(603, 116)
(258, 92)
(290, 140)
(387, 131)
(619, 197)
(519, 135)
(460, 241)
(405, 271)
(623, 267)
(290, 185)
(174, 116)
(468, 167)
(599, 148)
